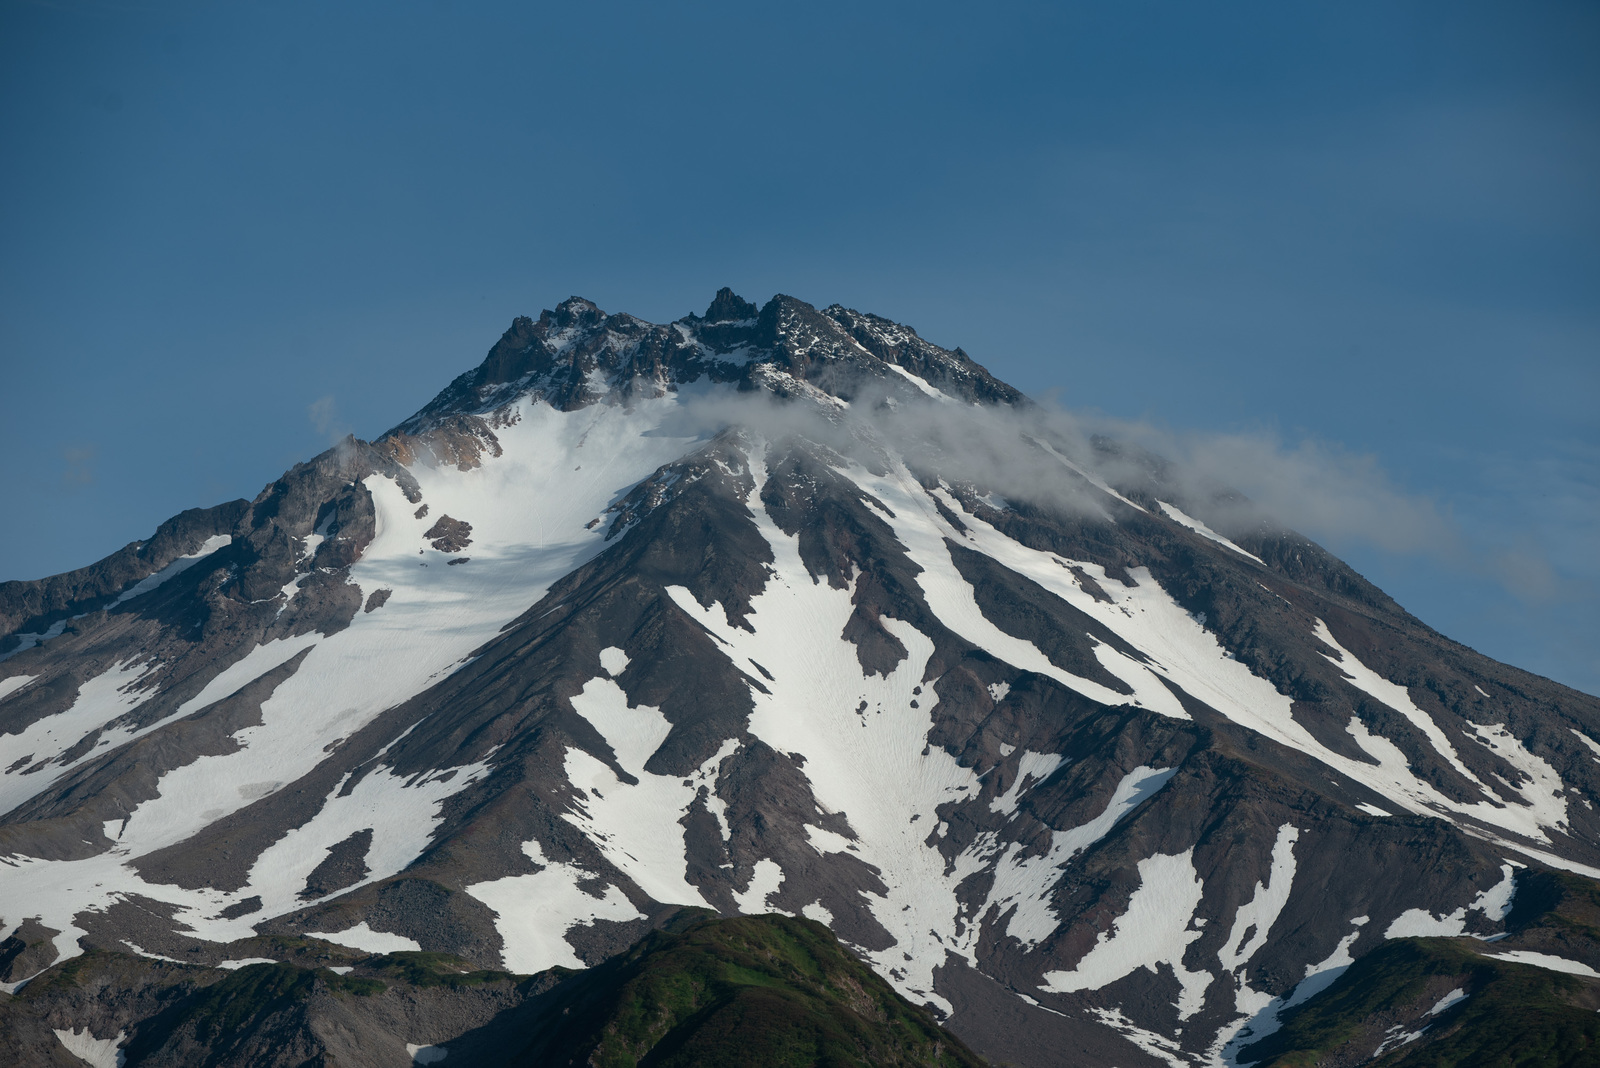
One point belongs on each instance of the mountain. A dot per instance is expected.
(779, 610)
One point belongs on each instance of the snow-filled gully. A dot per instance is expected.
(875, 767)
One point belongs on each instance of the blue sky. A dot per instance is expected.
(1356, 230)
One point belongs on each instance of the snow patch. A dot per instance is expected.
(1094, 480)
(1254, 920)
(614, 660)
(30, 639)
(916, 380)
(1025, 883)
(1395, 696)
(876, 768)
(34, 757)
(426, 1054)
(1157, 1046)
(153, 956)
(816, 911)
(1396, 1037)
(636, 825)
(1262, 1012)
(364, 938)
(1546, 960)
(95, 1052)
(1179, 517)
(1175, 645)
(923, 532)
(401, 812)
(764, 882)
(1032, 769)
(1593, 745)
(1541, 789)
(534, 912)
(1544, 804)
(1156, 929)
(173, 570)
(1494, 903)
(529, 509)
(1445, 1003)
(17, 682)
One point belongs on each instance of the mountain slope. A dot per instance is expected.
(773, 609)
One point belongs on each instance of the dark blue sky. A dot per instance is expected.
(1372, 226)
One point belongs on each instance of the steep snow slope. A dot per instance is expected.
(530, 509)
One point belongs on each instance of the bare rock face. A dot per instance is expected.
(345, 866)
(774, 609)
(29, 951)
(449, 535)
(728, 306)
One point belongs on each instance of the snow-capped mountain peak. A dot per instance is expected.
(771, 609)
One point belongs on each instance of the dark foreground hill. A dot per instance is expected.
(705, 992)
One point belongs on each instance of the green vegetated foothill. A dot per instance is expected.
(433, 969)
(1513, 1015)
(769, 990)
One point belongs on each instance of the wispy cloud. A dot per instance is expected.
(1316, 487)
(79, 468)
(324, 415)
(1236, 482)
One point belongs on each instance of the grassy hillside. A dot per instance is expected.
(766, 990)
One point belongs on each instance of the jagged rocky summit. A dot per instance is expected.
(770, 610)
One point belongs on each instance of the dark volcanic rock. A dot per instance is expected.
(29, 951)
(449, 535)
(728, 306)
(35, 605)
(345, 866)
